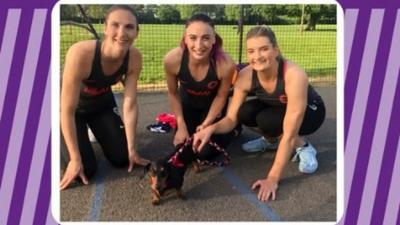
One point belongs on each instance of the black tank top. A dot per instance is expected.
(197, 94)
(278, 96)
(95, 91)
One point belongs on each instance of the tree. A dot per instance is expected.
(186, 11)
(69, 12)
(168, 14)
(146, 15)
(232, 12)
(265, 14)
(254, 14)
(96, 12)
(313, 14)
(317, 12)
(216, 12)
(293, 10)
(270, 13)
(328, 13)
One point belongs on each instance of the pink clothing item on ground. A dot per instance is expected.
(167, 118)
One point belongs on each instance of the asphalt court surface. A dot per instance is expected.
(215, 194)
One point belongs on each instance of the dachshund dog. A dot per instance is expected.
(168, 173)
(164, 176)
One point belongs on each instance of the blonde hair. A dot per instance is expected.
(264, 31)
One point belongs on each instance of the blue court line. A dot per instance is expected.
(97, 199)
(266, 211)
(252, 198)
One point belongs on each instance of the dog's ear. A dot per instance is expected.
(146, 169)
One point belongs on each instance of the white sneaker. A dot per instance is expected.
(259, 145)
(307, 155)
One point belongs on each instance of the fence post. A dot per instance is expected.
(302, 19)
(240, 31)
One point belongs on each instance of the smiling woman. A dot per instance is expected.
(121, 28)
(204, 71)
(286, 108)
(91, 67)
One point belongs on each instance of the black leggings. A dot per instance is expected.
(109, 131)
(193, 118)
(269, 119)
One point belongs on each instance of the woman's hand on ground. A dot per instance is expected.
(134, 158)
(74, 169)
(268, 188)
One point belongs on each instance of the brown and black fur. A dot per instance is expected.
(165, 174)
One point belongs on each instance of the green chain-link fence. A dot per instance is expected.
(161, 29)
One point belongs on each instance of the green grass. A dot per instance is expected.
(314, 51)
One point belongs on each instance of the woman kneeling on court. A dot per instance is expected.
(285, 109)
(204, 72)
(91, 67)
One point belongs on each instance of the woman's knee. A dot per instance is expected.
(270, 124)
(115, 149)
(89, 169)
(245, 116)
(249, 110)
(313, 120)
(118, 160)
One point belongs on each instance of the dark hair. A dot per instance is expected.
(216, 51)
(123, 7)
(199, 17)
(264, 31)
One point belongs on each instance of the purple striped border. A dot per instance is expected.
(362, 88)
(43, 213)
(12, 88)
(24, 117)
(385, 174)
(354, 65)
(35, 107)
(10, 27)
(19, 114)
(385, 109)
(7, 49)
(393, 205)
(368, 123)
(350, 27)
(393, 196)
(38, 157)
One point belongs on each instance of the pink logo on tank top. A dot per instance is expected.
(211, 85)
(95, 91)
(283, 99)
(198, 93)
